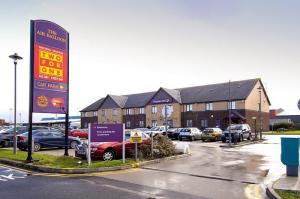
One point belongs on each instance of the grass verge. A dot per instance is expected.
(60, 161)
(296, 132)
(288, 194)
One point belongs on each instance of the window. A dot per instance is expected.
(142, 110)
(82, 114)
(141, 123)
(154, 123)
(231, 105)
(128, 124)
(114, 112)
(103, 112)
(209, 106)
(204, 123)
(189, 123)
(154, 109)
(129, 111)
(189, 107)
(95, 113)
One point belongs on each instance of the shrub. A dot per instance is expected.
(285, 125)
(162, 147)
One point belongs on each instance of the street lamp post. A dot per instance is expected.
(260, 118)
(15, 57)
(255, 133)
(229, 113)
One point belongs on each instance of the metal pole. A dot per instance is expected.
(66, 134)
(260, 118)
(166, 118)
(123, 144)
(15, 110)
(136, 151)
(151, 144)
(229, 113)
(89, 145)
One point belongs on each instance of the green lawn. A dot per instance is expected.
(296, 132)
(60, 161)
(288, 194)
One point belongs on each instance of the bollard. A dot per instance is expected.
(290, 155)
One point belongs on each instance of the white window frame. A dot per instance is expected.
(128, 111)
(141, 123)
(142, 110)
(189, 123)
(209, 106)
(103, 112)
(95, 114)
(189, 107)
(204, 123)
(154, 109)
(233, 105)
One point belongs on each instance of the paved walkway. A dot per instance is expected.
(288, 183)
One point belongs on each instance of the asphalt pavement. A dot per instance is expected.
(211, 172)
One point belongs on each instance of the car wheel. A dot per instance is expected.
(192, 138)
(73, 144)
(2, 144)
(179, 138)
(108, 155)
(36, 147)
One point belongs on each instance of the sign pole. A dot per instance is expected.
(89, 145)
(151, 144)
(123, 145)
(136, 152)
(29, 142)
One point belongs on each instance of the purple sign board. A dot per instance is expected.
(106, 132)
(49, 67)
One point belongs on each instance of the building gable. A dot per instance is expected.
(162, 97)
(109, 103)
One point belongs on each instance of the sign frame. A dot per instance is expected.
(33, 64)
(90, 127)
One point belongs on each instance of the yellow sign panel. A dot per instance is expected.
(136, 138)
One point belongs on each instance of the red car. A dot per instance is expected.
(81, 133)
(109, 150)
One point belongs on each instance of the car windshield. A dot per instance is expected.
(236, 127)
(155, 128)
(208, 131)
(185, 130)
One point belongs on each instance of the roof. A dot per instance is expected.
(93, 107)
(138, 100)
(119, 99)
(239, 90)
(175, 94)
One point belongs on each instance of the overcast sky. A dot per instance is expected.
(124, 47)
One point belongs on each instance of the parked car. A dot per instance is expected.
(110, 150)
(173, 133)
(80, 133)
(47, 139)
(239, 132)
(190, 134)
(156, 130)
(7, 137)
(211, 134)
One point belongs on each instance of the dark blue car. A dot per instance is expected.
(47, 139)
